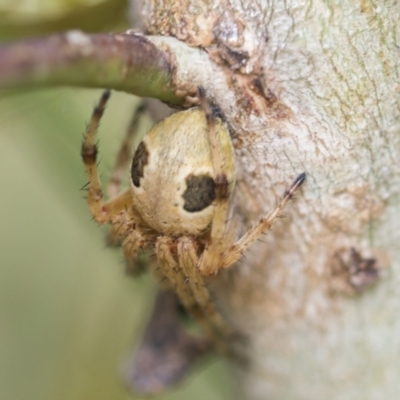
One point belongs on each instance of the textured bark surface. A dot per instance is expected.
(314, 87)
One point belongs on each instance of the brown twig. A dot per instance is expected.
(125, 62)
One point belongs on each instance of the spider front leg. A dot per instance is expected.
(120, 228)
(235, 252)
(219, 253)
(101, 213)
(114, 210)
(223, 160)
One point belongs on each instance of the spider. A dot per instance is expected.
(181, 181)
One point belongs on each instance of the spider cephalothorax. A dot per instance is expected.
(182, 178)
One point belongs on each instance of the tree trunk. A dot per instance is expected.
(314, 87)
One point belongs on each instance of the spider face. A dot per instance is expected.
(172, 174)
(182, 177)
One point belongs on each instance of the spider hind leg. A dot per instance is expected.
(188, 260)
(173, 270)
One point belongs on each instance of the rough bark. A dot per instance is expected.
(308, 86)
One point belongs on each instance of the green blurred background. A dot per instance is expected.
(68, 314)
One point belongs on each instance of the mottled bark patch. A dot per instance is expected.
(351, 273)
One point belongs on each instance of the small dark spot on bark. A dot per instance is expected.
(140, 160)
(199, 193)
(236, 59)
(260, 89)
(353, 273)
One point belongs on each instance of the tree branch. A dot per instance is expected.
(123, 62)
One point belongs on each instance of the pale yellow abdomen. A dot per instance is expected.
(172, 174)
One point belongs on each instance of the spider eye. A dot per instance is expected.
(140, 160)
(199, 193)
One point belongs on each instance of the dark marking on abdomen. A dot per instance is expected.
(140, 160)
(199, 193)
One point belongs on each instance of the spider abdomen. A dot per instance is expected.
(172, 174)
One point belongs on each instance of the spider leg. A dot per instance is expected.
(188, 260)
(89, 157)
(130, 246)
(112, 210)
(209, 262)
(171, 270)
(233, 253)
(124, 156)
(178, 280)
